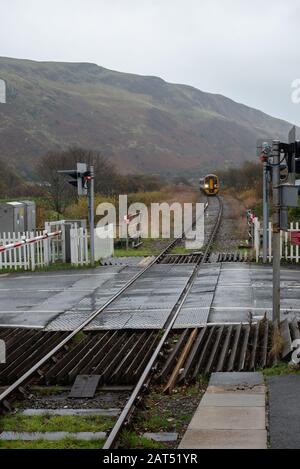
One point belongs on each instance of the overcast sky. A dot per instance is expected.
(247, 50)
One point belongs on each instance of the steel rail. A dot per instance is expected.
(85, 323)
(112, 438)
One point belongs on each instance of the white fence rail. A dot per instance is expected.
(288, 251)
(26, 250)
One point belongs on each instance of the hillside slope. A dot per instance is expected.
(142, 123)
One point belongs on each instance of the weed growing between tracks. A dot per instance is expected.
(130, 440)
(164, 413)
(54, 423)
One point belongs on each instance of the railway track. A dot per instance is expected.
(135, 358)
(58, 344)
(145, 378)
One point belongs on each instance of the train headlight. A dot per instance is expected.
(206, 186)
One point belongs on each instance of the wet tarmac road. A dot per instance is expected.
(226, 292)
(245, 289)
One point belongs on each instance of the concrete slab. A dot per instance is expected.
(161, 437)
(284, 411)
(224, 439)
(236, 379)
(233, 399)
(228, 418)
(236, 389)
(77, 412)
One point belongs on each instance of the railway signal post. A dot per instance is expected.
(91, 199)
(83, 180)
(285, 156)
(264, 151)
(265, 211)
(276, 231)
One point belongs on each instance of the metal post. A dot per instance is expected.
(127, 237)
(276, 231)
(92, 223)
(265, 212)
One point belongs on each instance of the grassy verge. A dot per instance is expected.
(281, 369)
(53, 423)
(67, 443)
(50, 268)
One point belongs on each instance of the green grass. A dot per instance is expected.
(281, 369)
(46, 391)
(52, 423)
(181, 250)
(131, 440)
(135, 252)
(155, 423)
(50, 268)
(166, 422)
(66, 443)
(78, 337)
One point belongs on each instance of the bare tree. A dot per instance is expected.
(59, 191)
(56, 187)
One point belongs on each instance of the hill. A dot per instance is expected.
(141, 123)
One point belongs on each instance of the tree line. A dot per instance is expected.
(55, 187)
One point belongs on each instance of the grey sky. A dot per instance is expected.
(247, 50)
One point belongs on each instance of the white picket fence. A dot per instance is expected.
(104, 244)
(288, 251)
(52, 249)
(28, 256)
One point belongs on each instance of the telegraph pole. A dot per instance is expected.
(276, 231)
(91, 196)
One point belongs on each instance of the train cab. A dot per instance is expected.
(210, 184)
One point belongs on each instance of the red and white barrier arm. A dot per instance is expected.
(25, 241)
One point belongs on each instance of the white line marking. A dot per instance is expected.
(268, 269)
(228, 308)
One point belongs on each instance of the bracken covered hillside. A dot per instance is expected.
(141, 123)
